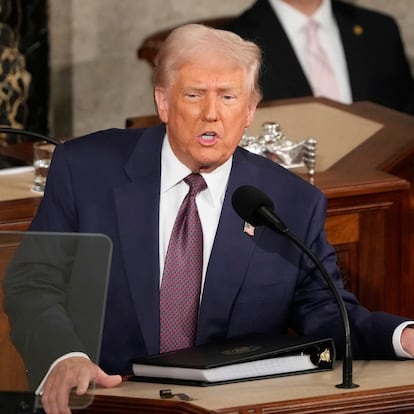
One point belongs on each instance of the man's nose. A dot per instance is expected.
(210, 110)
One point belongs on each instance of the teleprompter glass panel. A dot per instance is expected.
(52, 301)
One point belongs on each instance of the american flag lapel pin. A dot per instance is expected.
(248, 228)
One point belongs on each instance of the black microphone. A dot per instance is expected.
(257, 209)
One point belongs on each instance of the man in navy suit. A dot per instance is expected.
(128, 184)
(364, 47)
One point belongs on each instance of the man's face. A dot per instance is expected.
(206, 109)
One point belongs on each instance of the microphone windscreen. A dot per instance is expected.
(247, 200)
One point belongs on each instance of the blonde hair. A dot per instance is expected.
(186, 42)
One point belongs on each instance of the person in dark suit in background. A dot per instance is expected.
(129, 184)
(364, 48)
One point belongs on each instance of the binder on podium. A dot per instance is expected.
(238, 359)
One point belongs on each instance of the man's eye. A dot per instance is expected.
(228, 97)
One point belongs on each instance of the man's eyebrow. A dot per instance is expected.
(225, 88)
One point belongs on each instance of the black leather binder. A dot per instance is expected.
(237, 359)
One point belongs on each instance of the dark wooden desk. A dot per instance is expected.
(385, 387)
(20, 153)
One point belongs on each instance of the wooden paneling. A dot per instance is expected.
(10, 361)
(15, 215)
(368, 234)
(342, 229)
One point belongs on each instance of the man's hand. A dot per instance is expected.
(74, 372)
(407, 340)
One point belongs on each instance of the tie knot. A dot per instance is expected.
(196, 183)
(312, 27)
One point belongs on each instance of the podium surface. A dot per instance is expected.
(385, 387)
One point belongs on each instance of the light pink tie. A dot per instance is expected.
(181, 281)
(322, 77)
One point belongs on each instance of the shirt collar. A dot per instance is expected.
(324, 15)
(293, 20)
(173, 171)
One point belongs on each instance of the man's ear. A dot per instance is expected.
(160, 95)
(251, 110)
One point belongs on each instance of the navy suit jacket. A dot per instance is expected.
(377, 65)
(109, 182)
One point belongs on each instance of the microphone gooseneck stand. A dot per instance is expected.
(280, 227)
(255, 207)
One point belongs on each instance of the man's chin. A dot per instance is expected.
(207, 167)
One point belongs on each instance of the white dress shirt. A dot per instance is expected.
(209, 202)
(294, 24)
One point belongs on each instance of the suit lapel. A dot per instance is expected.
(137, 208)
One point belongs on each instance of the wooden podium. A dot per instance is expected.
(385, 387)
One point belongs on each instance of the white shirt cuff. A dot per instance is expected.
(396, 340)
(39, 389)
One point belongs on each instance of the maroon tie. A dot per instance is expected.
(181, 281)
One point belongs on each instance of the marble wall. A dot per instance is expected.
(97, 80)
